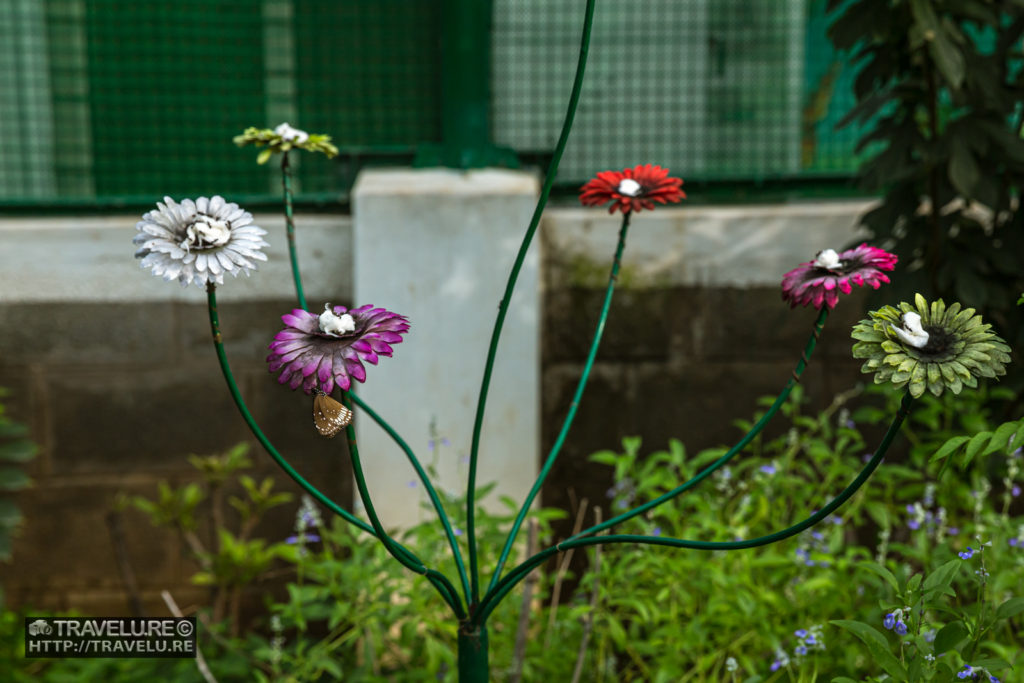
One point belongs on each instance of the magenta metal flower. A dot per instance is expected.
(318, 351)
(819, 282)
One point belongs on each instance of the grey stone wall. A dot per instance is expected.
(115, 375)
(117, 396)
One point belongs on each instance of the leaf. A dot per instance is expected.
(13, 479)
(947, 449)
(964, 172)
(975, 445)
(18, 451)
(942, 576)
(1001, 437)
(947, 56)
(264, 156)
(881, 571)
(1010, 608)
(877, 645)
(949, 636)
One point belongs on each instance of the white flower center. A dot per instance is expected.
(629, 187)
(206, 232)
(291, 134)
(911, 331)
(336, 325)
(827, 258)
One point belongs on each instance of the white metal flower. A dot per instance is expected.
(198, 241)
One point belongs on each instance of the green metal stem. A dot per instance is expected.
(549, 180)
(289, 221)
(392, 547)
(472, 655)
(801, 365)
(450, 597)
(573, 407)
(494, 597)
(421, 473)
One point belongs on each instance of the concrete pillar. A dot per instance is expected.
(437, 245)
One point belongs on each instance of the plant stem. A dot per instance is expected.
(574, 406)
(440, 580)
(289, 221)
(427, 485)
(495, 595)
(801, 365)
(549, 180)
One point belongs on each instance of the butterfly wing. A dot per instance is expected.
(329, 416)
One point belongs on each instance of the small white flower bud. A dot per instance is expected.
(827, 258)
(336, 325)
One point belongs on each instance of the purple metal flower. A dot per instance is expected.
(819, 282)
(319, 351)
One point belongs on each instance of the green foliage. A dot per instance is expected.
(15, 451)
(810, 608)
(940, 83)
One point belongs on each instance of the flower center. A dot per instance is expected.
(911, 331)
(629, 187)
(939, 341)
(828, 259)
(205, 233)
(291, 134)
(335, 325)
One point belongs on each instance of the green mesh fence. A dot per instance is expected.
(119, 101)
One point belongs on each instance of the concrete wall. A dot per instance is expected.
(113, 370)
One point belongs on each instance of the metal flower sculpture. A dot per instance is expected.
(920, 347)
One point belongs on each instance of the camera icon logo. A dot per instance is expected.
(40, 627)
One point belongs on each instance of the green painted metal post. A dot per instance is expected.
(473, 664)
(465, 91)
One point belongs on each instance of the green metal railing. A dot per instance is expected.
(105, 103)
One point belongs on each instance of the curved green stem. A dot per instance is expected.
(549, 180)
(421, 473)
(520, 572)
(449, 596)
(573, 407)
(389, 543)
(289, 220)
(801, 365)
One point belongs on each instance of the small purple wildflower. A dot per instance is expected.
(901, 628)
(304, 538)
(966, 554)
(966, 672)
(1015, 491)
(800, 633)
(656, 531)
(889, 621)
(800, 650)
(767, 469)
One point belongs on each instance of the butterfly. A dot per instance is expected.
(329, 416)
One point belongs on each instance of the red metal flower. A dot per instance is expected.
(632, 189)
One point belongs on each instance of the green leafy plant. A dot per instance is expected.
(939, 87)
(15, 450)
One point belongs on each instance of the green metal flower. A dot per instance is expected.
(929, 346)
(284, 138)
